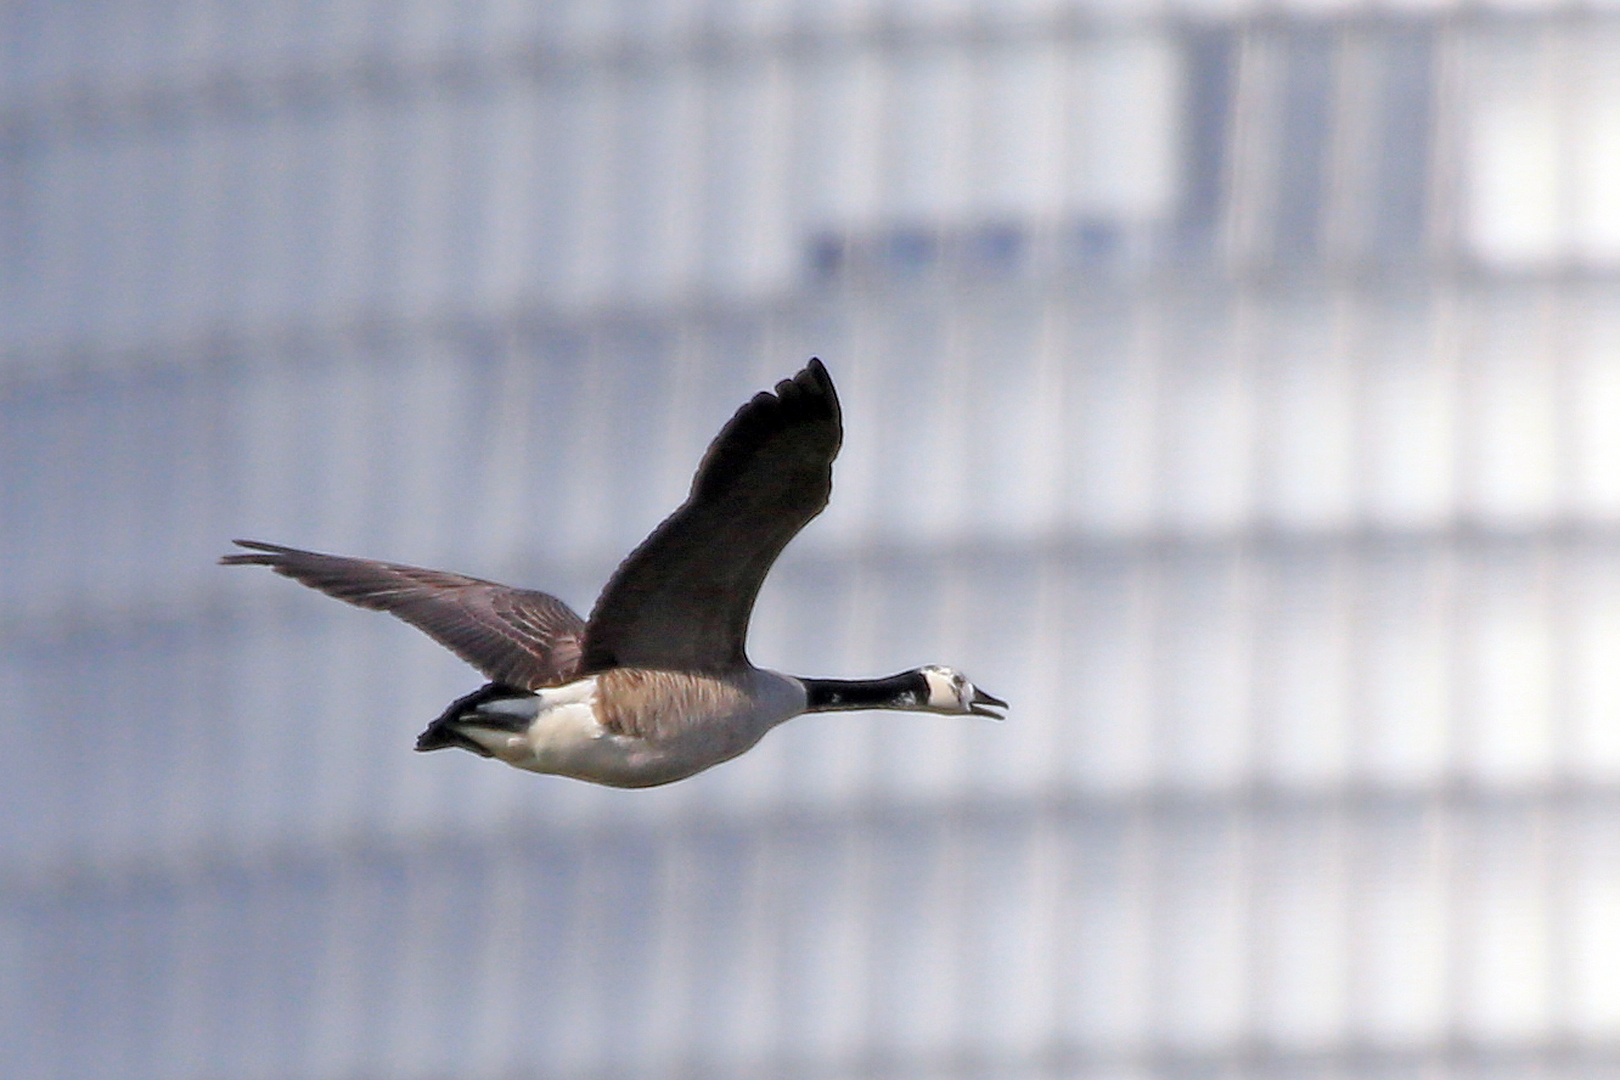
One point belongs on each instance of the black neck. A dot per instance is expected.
(907, 690)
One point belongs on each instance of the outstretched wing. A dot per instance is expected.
(681, 601)
(519, 637)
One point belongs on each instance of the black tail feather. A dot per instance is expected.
(443, 733)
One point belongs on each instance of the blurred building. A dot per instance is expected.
(1233, 387)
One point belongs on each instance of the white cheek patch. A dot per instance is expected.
(941, 694)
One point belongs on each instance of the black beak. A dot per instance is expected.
(982, 699)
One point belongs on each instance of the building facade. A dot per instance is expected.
(1233, 388)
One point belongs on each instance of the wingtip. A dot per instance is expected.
(819, 375)
(237, 558)
(260, 558)
(814, 381)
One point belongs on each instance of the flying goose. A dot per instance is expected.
(656, 686)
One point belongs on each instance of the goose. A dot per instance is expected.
(656, 685)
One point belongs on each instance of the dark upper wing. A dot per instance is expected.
(519, 637)
(681, 601)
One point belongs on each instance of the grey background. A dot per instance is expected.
(1234, 388)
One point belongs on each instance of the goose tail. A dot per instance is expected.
(493, 709)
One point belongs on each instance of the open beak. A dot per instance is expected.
(981, 699)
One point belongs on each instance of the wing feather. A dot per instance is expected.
(682, 600)
(519, 637)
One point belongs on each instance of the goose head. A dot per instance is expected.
(949, 691)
